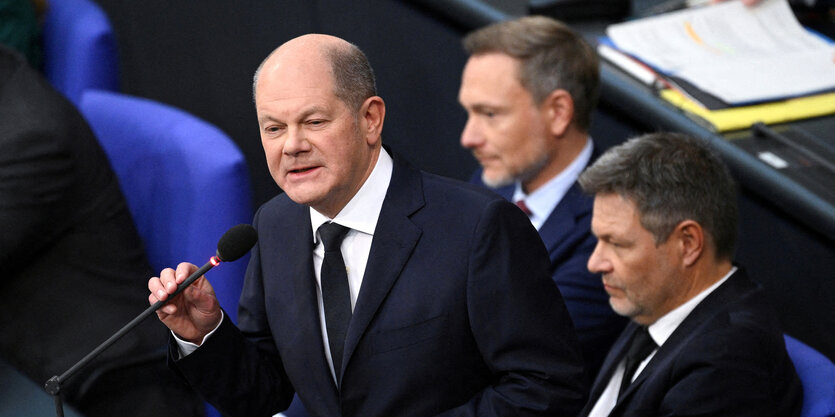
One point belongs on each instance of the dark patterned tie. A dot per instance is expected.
(336, 296)
(642, 345)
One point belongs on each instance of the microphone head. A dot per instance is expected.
(236, 242)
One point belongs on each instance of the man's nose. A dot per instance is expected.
(471, 137)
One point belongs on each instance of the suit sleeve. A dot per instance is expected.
(519, 322)
(239, 371)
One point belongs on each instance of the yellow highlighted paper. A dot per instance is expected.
(734, 118)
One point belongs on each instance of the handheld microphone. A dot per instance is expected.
(236, 242)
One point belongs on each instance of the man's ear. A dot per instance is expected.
(690, 237)
(558, 109)
(373, 113)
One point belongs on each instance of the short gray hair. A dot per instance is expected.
(353, 76)
(670, 177)
(354, 79)
(552, 57)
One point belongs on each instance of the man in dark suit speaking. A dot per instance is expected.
(375, 289)
(702, 341)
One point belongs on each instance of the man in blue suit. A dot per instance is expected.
(437, 301)
(529, 88)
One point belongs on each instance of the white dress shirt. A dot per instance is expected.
(360, 215)
(543, 201)
(660, 331)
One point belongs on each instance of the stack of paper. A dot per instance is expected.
(741, 56)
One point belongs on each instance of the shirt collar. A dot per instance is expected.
(542, 201)
(363, 210)
(664, 327)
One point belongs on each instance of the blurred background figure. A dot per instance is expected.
(529, 88)
(74, 269)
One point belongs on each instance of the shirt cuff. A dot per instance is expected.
(186, 348)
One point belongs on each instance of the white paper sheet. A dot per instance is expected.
(739, 54)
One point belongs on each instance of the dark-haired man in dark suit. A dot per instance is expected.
(703, 340)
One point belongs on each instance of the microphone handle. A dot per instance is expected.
(53, 386)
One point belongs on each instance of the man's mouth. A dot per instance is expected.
(300, 170)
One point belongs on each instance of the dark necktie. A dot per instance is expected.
(336, 295)
(524, 207)
(642, 345)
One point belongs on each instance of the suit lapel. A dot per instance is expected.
(304, 301)
(394, 239)
(301, 276)
(610, 364)
(563, 219)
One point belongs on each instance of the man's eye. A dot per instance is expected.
(612, 243)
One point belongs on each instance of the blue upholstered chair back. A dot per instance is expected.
(817, 374)
(80, 50)
(185, 182)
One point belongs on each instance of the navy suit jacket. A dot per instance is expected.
(569, 241)
(727, 358)
(456, 316)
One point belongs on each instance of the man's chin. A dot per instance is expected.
(301, 196)
(496, 181)
(622, 308)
